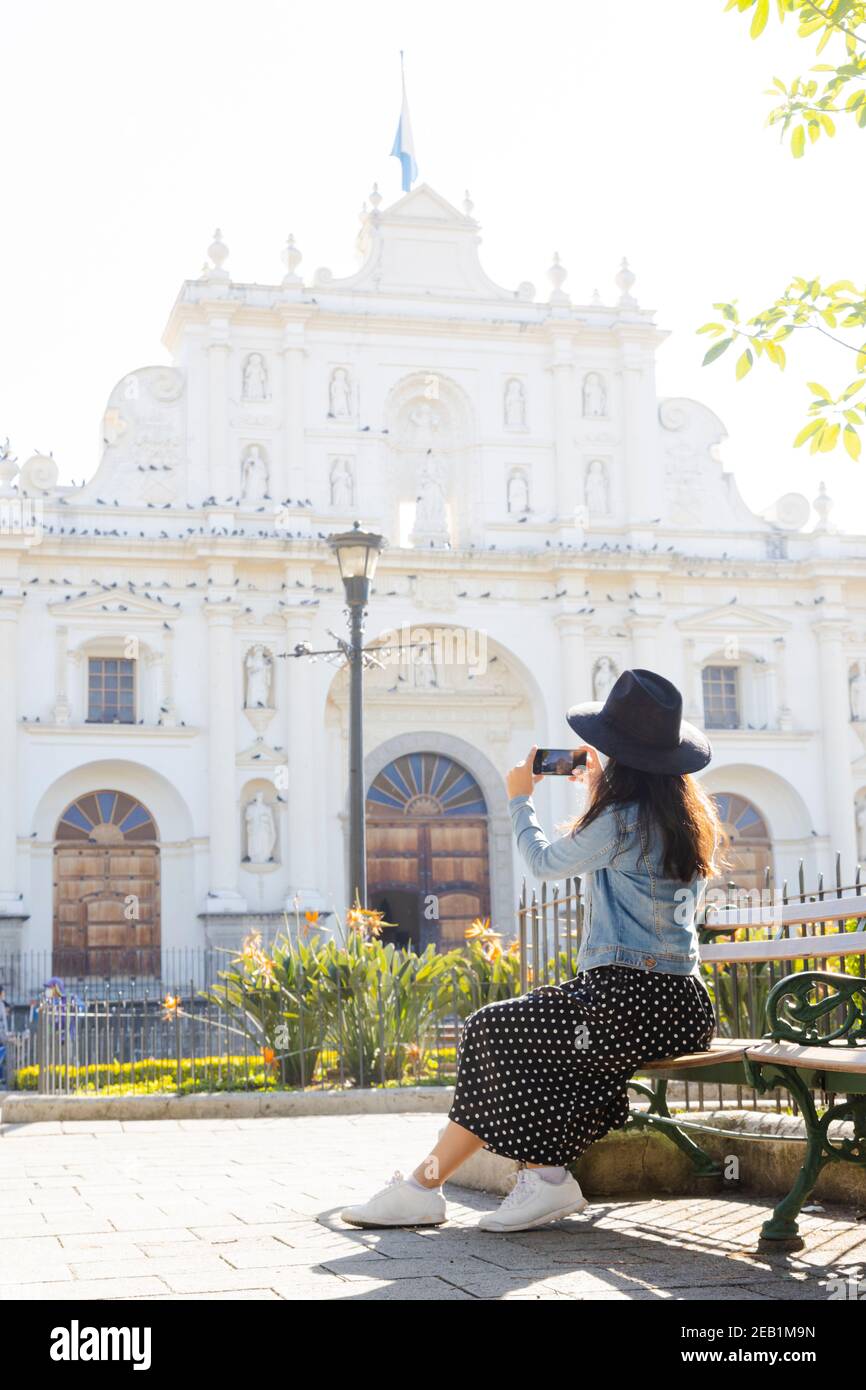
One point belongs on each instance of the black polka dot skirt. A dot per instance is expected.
(542, 1076)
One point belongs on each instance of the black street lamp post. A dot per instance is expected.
(357, 555)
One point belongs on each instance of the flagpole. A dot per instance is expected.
(404, 145)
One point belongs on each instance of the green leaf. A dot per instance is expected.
(828, 438)
(807, 431)
(711, 328)
(716, 351)
(798, 141)
(851, 440)
(819, 390)
(759, 20)
(744, 364)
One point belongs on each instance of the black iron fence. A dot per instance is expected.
(328, 1015)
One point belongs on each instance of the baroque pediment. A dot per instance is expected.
(259, 755)
(732, 617)
(420, 245)
(114, 602)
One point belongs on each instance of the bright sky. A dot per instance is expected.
(595, 130)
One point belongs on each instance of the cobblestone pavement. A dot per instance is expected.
(248, 1209)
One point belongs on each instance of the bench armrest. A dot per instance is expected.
(797, 1004)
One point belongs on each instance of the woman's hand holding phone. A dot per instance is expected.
(521, 780)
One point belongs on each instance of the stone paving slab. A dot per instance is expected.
(249, 1209)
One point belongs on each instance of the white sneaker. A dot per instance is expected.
(399, 1203)
(533, 1202)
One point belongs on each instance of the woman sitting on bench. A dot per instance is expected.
(542, 1076)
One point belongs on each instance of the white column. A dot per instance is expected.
(575, 675)
(168, 678)
(693, 708)
(223, 483)
(293, 480)
(223, 810)
(784, 717)
(646, 652)
(10, 899)
(835, 755)
(643, 500)
(61, 662)
(300, 794)
(562, 368)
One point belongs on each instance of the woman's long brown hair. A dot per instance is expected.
(692, 833)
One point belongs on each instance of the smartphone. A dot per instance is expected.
(558, 762)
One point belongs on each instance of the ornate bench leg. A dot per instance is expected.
(703, 1164)
(782, 1225)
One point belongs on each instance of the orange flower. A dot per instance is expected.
(355, 918)
(251, 947)
(365, 920)
(265, 968)
(375, 922)
(478, 928)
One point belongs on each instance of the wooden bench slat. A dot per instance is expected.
(832, 1058)
(794, 913)
(720, 1050)
(850, 943)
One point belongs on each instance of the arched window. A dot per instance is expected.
(750, 848)
(85, 817)
(427, 864)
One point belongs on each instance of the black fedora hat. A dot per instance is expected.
(641, 725)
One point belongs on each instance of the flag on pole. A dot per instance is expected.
(404, 146)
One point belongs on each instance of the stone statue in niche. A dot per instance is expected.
(595, 489)
(518, 494)
(860, 818)
(515, 405)
(431, 518)
(857, 687)
(254, 475)
(261, 830)
(259, 673)
(425, 669)
(255, 379)
(603, 678)
(594, 396)
(340, 394)
(342, 484)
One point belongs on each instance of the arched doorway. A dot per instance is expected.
(106, 887)
(749, 847)
(427, 848)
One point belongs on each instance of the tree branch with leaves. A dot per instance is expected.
(836, 310)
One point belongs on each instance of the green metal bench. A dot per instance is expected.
(815, 1040)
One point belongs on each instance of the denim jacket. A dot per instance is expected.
(633, 915)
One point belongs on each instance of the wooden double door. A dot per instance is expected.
(106, 889)
(427, 859)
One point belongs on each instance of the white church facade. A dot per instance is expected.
(174, 778)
